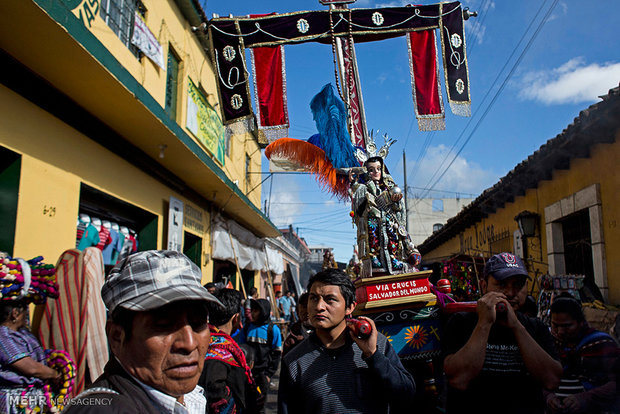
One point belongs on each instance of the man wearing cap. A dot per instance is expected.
(158, 334)
(498, 359)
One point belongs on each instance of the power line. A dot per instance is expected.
(440, 191)
(499, 91)
(351, 232)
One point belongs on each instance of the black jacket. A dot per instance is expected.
(129, 396)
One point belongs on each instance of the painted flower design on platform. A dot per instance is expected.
(416, 336)
(387, 335)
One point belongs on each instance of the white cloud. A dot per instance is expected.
(558, 13)
(381, 78)
(475, 31)
(463, 176)
(285, 202)
(573, 82)
(474, 26)
(398, 3)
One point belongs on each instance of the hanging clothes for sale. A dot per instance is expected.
(112, 250)
(89, 238)
(76, 321)
(104, 238)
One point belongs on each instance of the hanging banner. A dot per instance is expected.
(424, 67)
(270, 91)
(204, 122)
(145, 40)
(175, 225)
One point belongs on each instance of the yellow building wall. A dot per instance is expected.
(54, 164)
(173, 32)
(600, 168)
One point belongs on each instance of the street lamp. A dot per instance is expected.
(527, 221)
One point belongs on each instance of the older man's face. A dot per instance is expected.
(167, 348)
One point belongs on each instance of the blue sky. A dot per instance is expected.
(574, 58)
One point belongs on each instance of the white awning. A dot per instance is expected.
(249, 249)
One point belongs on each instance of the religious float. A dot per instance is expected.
(343, 155)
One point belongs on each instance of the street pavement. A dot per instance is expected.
(271, 406)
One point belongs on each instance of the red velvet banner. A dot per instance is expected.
(270, 90)
(425, 80)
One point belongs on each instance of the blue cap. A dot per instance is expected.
(505, 265)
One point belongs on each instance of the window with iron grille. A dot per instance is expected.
(120, 15)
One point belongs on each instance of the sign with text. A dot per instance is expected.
(204, 122)
(401, 289)
(175, 225)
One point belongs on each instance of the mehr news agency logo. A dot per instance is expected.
(39, 403)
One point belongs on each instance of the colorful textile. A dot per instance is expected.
(76, 321)
(32, 280)
(589, 372)
(354, 94)
(31, 399)
(270, 91)
(227, 378)
(15, 345)
(424, 69)
(224, 348)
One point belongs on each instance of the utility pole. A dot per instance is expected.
(405, 193)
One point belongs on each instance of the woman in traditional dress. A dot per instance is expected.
(379, 213)
(23, 372)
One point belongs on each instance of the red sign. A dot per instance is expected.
(391, 290)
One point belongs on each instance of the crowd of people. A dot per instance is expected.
(178, 348)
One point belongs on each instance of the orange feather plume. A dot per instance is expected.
(313, 159)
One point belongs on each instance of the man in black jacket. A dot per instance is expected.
(158, 334)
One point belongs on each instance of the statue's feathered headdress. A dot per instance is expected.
(326, 152)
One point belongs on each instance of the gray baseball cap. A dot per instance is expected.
(152, 279)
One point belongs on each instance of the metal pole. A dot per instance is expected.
(239, 275)
(272, 291)
(405, 183)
